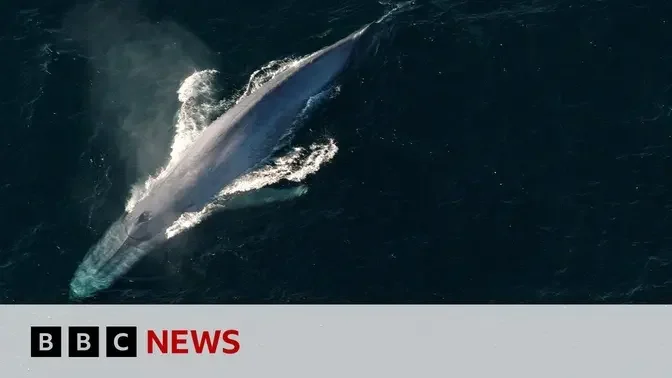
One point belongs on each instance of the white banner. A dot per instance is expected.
(335, 341)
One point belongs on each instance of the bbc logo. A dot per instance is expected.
(84, 341)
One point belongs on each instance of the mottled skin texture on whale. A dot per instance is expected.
(231, 146)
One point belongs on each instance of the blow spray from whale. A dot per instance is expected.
(221, 163)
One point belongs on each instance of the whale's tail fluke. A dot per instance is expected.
(372, 35)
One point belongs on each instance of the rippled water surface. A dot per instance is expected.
(484, 151)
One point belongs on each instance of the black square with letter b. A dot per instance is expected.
(121, 341)
(83, 342)
(45, 341)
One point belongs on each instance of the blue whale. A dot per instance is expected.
(228, 148)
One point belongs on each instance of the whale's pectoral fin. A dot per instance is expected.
(260, 197)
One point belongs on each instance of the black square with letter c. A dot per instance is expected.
(45, 341)
(121, 341)
(83, 342)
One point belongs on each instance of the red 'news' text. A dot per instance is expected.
(183, 341)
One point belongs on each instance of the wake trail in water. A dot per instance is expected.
(199, 106)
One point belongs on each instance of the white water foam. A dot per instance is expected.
(196, 95)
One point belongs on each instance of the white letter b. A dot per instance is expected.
(83, 342)
(45, 341)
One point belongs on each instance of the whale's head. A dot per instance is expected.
(151, 217)
(145, 225)
(108, 259)
(125, 242)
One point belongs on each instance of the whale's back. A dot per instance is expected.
(242, 137)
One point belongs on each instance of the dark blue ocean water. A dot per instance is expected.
(489, 152)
